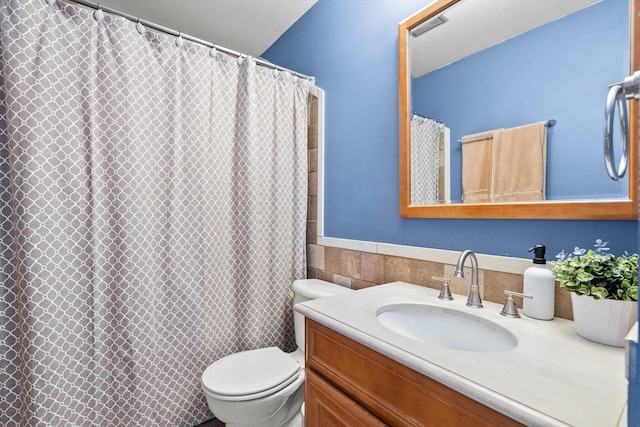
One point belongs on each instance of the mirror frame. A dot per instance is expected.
(572, 209)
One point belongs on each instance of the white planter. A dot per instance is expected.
(604, 321)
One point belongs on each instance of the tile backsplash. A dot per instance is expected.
(360, 269)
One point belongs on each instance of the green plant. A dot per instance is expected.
(598, 273)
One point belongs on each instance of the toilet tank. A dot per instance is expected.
(306, 290)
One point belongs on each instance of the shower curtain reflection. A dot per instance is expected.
(426, 140)
(153, 216)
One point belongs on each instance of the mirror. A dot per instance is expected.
(527, 91)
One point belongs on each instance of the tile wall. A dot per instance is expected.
(356, 269)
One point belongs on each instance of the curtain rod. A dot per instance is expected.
(173, 32)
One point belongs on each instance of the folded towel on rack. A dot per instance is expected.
(519, 159)
(476, 167)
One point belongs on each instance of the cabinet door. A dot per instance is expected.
(388, 390)
(326, 406)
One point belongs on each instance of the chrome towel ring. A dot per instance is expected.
(617, 96)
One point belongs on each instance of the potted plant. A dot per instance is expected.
(604, 291)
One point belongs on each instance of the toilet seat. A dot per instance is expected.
(250, 374)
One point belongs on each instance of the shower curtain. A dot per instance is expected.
(153, 216)
(425, 160)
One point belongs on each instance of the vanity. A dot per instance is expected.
(361, 372)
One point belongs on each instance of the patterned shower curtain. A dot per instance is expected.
(425, 160)
(153, 216)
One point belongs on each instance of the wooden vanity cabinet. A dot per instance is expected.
(327, 406)
(349, 384)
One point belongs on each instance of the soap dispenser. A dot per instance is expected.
(540, 284)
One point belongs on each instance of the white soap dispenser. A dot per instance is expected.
(541, 285)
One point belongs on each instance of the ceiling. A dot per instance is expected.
(252, 26)
(476, 25)
(246, 26)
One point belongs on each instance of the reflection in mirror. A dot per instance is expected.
(508, 109)
(429, 170)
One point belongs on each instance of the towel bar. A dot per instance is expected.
(549, 124)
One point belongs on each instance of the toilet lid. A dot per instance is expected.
(251, 372)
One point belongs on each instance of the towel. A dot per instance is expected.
(519, 157)
(476, 167)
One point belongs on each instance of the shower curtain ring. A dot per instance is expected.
(98, 14)
(141, 28)
(179, 40)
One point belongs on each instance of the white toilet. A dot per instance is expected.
(264, 387)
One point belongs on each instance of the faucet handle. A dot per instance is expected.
(510, 309)
(445, 293)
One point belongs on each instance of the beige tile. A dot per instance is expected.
(563, 307)
(315, 256)
(372, 268)
(312, 232)
(361, 284)
(342, 280)
(333, 260)
(359, 270)
(396, 269)
(313, 159)
(420, 273)
(457, 285)
(495, 283)
(312, 207)
(351, 264)
(324, 275)
(313, 111)
(312, 136)
(313, 183)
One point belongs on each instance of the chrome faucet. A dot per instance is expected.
(474, 293)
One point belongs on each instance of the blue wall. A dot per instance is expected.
(560, 71)
(351, 49)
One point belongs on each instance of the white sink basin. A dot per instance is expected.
(448, 328)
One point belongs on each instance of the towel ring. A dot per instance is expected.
(616, 97)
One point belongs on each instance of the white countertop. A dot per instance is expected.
(552, 378)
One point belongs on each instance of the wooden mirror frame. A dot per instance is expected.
(578, 209)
